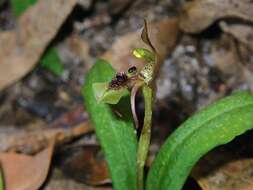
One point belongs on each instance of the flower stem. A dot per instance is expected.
(144, 141)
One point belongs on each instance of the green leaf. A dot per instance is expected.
(109, 96)
(20, 6)
(116, 134)
(52, 62)
(99, 89)
(218, 124)
(1, 180)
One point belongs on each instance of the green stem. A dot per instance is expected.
(144, 141)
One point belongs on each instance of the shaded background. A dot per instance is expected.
(47, 47)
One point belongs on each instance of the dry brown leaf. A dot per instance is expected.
(59, 181)
(163, 35)
(248, 187)
(236, 174)
(81, 48)
(21, 49)
(242, 32)
(88, 166)
(197, 15)
(32, 139)
(224, 56)
(35, 140)
(22, 172)
(118, 6)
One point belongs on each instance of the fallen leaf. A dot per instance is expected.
(23, 47)
(69, 126)
(86, 165)
(163, 35)
(248, 187)
(59, 181)
(235, 174)
(119, 6)
(197, 15)
(229, 167)
(36, 140)
(224, 56)
(242, 32)
(80, 48)
(22, 172)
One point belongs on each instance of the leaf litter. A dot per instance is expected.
(197, 70)
(26, 172)
(16, 57)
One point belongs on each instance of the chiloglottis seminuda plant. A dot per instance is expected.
(215, 125)
(132, 79)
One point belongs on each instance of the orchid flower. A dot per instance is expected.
(120, 85)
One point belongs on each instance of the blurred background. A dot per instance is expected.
(46, 49)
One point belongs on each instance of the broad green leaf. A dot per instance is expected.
(20, 6)
(116, 134)
(1, 180)
(109, 96)
(142, 53)
(52, 62)
(218, 124)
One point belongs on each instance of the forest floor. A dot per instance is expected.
(207, 54)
